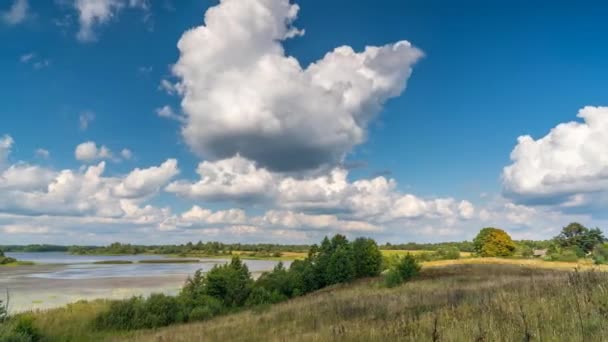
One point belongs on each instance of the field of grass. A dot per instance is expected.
(582, 264)
(466, 300)
(483, 302)
(401, 252)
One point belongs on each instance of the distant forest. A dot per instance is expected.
(219, 248)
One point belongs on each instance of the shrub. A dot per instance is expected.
(19, 329)
(493, 242)
(566, 255)
(600, 254)
(207, 308)
(524, 251)
(447, 253)
(6, 260)
(158, 310)
(121, 315)
(279, 280)
(392, 278)
(407, 268)
(262, 296)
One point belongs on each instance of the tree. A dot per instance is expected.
(578, 237)
(367, 258)
(230, 283)
(341, 266)
(493, 242)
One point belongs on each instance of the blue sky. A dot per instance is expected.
(430, 159)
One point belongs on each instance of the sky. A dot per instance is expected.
(284, 121)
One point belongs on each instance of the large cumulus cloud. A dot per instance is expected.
(243, 95)
(567, 167)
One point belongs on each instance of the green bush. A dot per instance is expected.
(121, 315)
(159, 310)
(392, 278)
(207, 308)
(600, 254)
(447, 253)
(566, 255)
(19, 329)
(407, 268)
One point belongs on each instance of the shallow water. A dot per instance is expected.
(60, 278)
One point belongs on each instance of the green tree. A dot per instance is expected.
(367, 258)
(230, 283)
(578, 237)
(341, 267)
(493, 242)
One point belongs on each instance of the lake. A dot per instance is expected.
(60, 278)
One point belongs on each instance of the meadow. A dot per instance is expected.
(455, 300)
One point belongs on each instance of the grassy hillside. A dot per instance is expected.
(454, 303)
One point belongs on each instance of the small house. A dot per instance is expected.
(539, 253)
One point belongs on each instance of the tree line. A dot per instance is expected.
(230, 287)
(575, 241)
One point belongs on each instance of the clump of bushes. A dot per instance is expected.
(564, 254)
(229, 287)
(19, 329)
(405, 269)
(600, 254)
(6, 260)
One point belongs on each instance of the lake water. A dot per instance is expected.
(60, 278)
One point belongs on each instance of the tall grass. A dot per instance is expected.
(455, 303)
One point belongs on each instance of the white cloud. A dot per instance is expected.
(230, 179)
(6, 144)
(43, 153)
(25, 229)
(25, 177)
(85, 119)
(143, 182)
(88, 152)
(94, 13)
(205, 216)
(564, 167)
(290, 219)
(27, 57)
(374, 200)
(243, 95)
(16, 14)
(167, 112)
(126, 154)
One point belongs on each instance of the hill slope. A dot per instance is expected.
(455, 303)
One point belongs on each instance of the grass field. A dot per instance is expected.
(482, 302)
(464, 300)
(401, 252)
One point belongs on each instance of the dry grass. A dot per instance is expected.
(583, 264)
(466, 302)
(400, 252)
